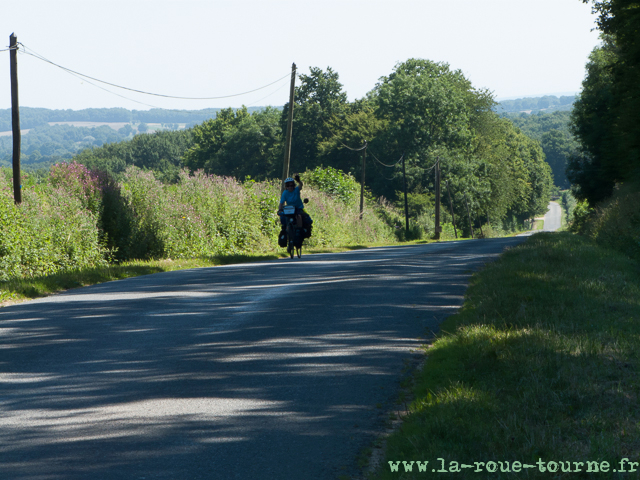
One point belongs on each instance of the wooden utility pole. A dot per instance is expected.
(453, 218)
(406, 204)
(287, 144)
(364, 159)
(15, 118)
(438, 227)
(468, 214)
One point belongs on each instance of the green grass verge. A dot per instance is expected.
(20, 289)
(542, 362)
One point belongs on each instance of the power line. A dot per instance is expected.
(137, 101)
(272, 93)
(40, 57)
(106, 90)
(384, 164)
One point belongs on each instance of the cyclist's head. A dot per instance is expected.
(289, 182)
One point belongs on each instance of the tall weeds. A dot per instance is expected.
(51, 231)
(614, 223)
(79, 218)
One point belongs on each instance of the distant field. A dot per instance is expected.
(113, 125)
(9, 133)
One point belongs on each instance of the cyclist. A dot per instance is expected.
(291, 196)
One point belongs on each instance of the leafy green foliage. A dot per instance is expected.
(417, 203)
(536, 125)
(318, 99)
(238, 144)
(333, 182)
(434, 114)
(553, 132)
(568, 202)
(582, 213)
(619, 20)
(428, 106)
(46, 145)
(594, 169)
(51, 231)
(79, 218)
(614, 223)
(605, 115)
(557, 148)
(161, 152)
(422, 109)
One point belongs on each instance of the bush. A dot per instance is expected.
(207, 215)
(568, 202)
(51, 231)
(615, 223)
(580, 217)
(333, 182)
(79, 182)
(79, 218)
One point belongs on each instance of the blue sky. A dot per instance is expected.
(211, 48)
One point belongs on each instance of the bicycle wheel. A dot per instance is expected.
(290, 236)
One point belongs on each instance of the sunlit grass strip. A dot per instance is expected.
(25, 288)
(17, 289)
(541, 363)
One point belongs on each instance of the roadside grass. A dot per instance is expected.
(542, 362)
(25, 288)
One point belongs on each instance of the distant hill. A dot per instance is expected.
(37, 117)
(51, 136)
(546, 104)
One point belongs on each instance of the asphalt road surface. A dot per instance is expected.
(552, 220)
(273, 370)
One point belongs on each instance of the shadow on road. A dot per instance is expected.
(267, 370)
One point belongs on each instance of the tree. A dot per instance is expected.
(557, 149)
(430, 111)
(318, 99)
(254, 148)
(605, 116)
(238, 144)
(593, 170)
(427, 105)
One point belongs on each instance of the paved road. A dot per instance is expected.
(277, 369)
(552, 220)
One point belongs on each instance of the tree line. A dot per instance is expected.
(605, 114)
(553, 131)
(536, 104)
(423, 112)
(47, 144)
(36, 117)
(605, 169)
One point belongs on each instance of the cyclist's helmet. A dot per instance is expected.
(288, 181)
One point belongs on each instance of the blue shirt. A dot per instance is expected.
(292, 198)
